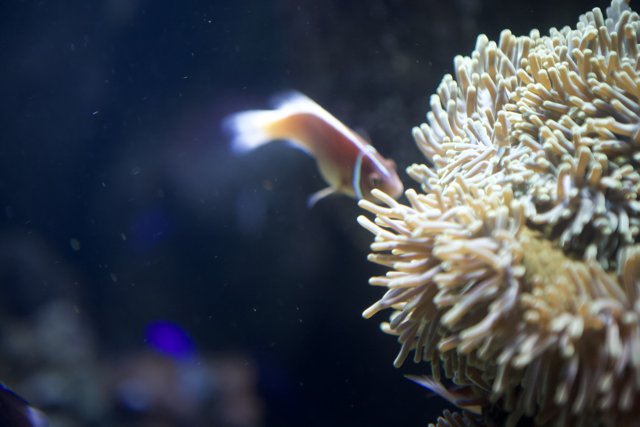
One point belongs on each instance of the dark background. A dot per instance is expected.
(118, 192)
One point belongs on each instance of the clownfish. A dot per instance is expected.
(462, 397)
(347, 162)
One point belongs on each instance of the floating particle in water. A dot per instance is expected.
(74, 243)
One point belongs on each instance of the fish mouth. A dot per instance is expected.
(396, 189)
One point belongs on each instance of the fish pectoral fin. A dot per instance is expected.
(319, 195)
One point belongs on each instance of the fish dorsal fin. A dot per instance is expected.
(296, 102)
(362, 133)
(292, 100)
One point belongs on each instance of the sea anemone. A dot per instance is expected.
(515, 271)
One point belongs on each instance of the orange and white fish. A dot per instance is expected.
(462, 397)
(347, 162)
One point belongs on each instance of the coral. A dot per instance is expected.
(515, 271)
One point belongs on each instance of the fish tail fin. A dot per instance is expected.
(250, 129)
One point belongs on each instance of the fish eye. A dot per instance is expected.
(375, 181)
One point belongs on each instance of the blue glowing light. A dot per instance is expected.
(168, 338)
